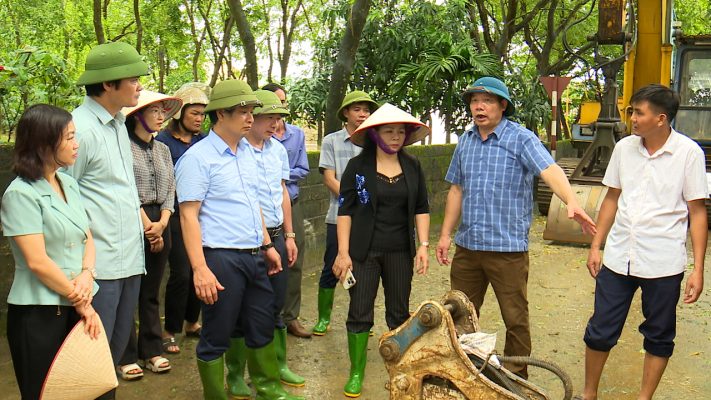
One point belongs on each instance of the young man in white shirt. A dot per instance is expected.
(656, 183)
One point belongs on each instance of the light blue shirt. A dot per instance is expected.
(273, 163)
(35, 208)
(336, 150)
(104, 171)
(227, 185)
(496, 176)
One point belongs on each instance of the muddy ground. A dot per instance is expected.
(561, 296)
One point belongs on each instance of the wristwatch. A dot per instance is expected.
(267, 246)
(426, 244)
(290, 235)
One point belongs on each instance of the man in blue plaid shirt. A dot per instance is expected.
(491, 173)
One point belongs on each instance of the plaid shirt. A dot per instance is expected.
(496, 176)
(153, 169)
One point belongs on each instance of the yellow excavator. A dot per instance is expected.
(649, 43)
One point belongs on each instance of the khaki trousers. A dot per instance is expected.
(471, 273)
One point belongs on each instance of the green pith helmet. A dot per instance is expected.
(270, 103)
(112, 61)
(230, 93)
(356, 96)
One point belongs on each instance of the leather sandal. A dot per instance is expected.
(168, 343)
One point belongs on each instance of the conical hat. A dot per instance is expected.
(172, 104)
(82, 369)
(389, 114)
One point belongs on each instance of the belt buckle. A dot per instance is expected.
(255, 251)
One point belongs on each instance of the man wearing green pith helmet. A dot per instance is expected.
(230, 250)
(104, 171)
(273, 166)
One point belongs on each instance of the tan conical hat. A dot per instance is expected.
(82, 369)
(389, 114)
(171, 104)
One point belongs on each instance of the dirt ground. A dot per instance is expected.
(561, 297)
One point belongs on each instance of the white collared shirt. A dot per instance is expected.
(648, 236)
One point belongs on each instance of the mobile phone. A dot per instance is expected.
(349, 280)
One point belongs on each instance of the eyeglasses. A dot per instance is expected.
(156, 111)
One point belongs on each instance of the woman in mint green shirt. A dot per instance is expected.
(44, 219)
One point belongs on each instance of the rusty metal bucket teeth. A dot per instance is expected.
(425, 361)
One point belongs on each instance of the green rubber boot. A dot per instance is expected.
(325, 305)
(358, 352)
(286, 375)
(264, 371)
(236, 359)
(212, 375)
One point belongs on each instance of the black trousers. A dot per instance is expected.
(396, 270)
(35, 334)
(149, 341)
(328, 280)
(181, 303)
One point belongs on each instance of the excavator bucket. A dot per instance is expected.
(425, 361)
(560, 228)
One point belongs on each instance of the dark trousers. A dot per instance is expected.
(35, 334)
(149, 342)
(292, 303)
(613, 297)
(181, 303)
(472, 271)
(395, 269)
(115, 302)
(279, 283)
(328, 280)
(246, 303)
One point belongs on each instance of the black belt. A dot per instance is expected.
(253, 251)
(275, 232)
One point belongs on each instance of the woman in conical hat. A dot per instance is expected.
(383, 201)
(153, 171)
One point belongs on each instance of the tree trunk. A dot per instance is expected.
(223, 47)
(248, 43)
(343, 67)
(139, 25)
(288, 24)
(98, 23)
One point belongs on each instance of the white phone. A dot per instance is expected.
(349, 280)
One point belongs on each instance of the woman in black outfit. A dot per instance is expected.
(383, 202)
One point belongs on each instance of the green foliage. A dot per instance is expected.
(694, 16)
(34, 76)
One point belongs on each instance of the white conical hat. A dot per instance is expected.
(389, 114)
(172, 104)
(82, 369)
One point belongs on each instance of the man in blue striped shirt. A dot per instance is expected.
(491, 173)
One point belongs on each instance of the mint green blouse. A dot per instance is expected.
(35, 208)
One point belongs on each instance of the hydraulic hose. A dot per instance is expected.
(567, 383)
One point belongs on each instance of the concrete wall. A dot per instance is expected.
(314, 199)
